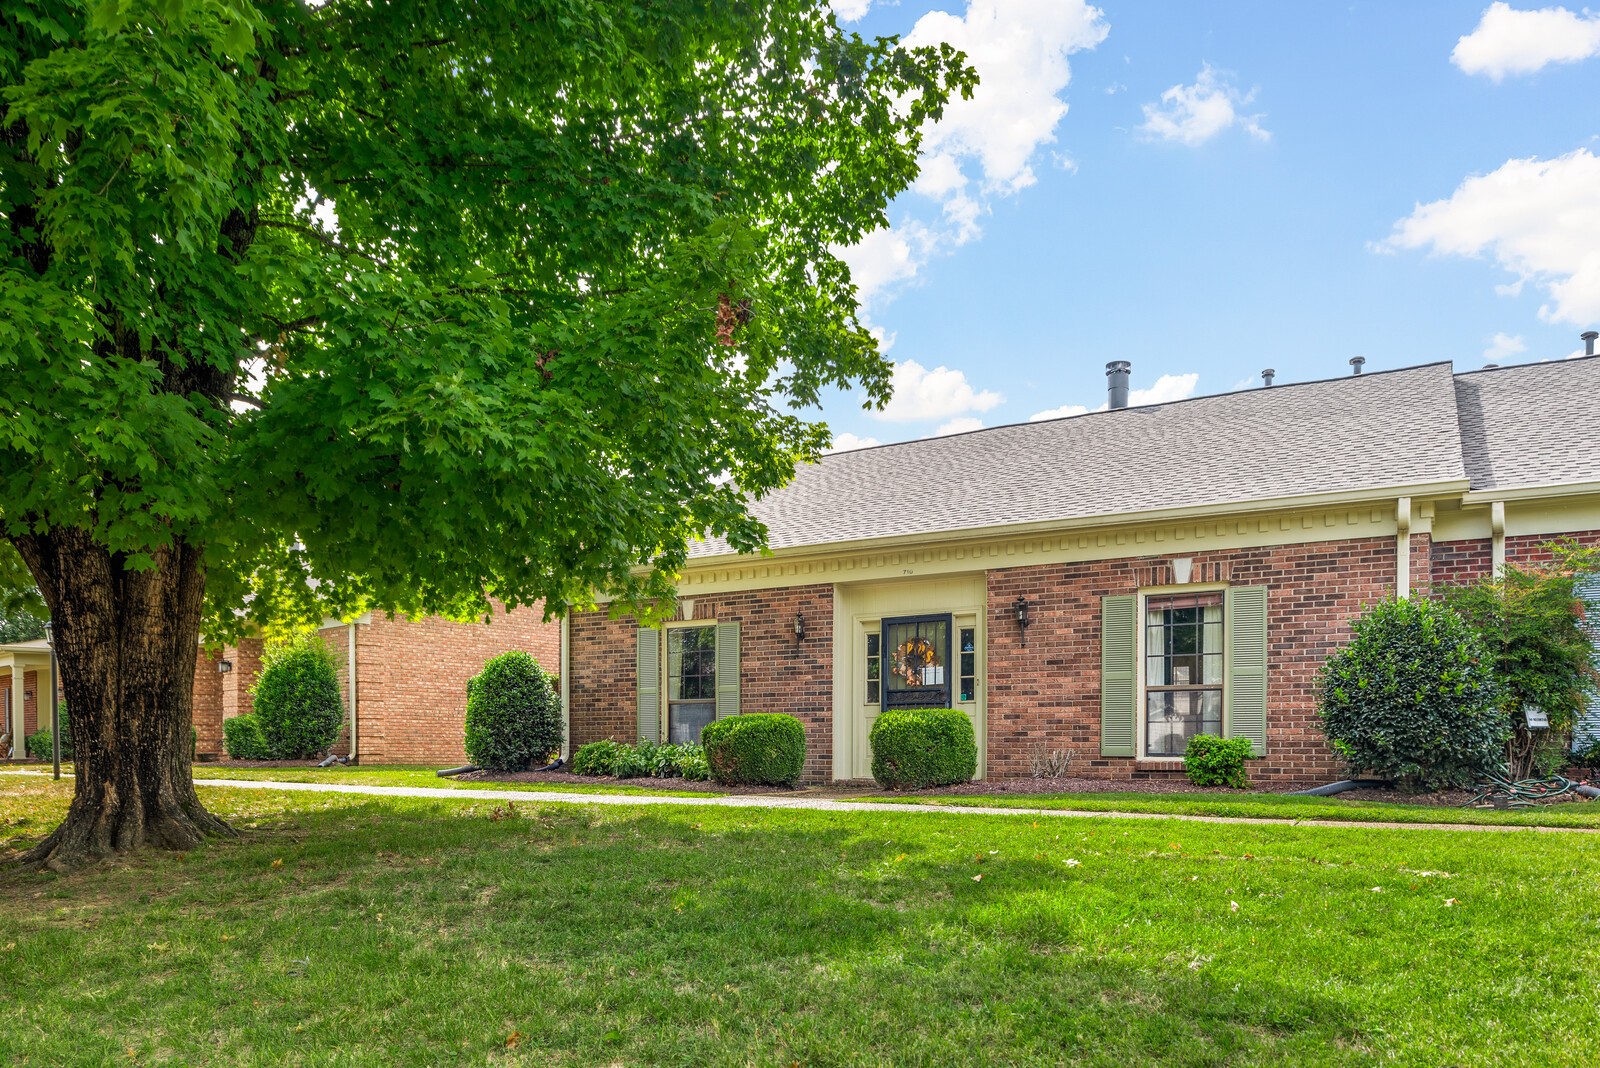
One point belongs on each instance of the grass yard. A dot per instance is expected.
(355, 930)
(1574, 814)
(423, 775)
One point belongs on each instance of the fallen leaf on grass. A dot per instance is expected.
(513, 1040)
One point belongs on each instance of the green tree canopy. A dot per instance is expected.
(326, 306)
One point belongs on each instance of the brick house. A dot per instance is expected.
(408, 677)
(1107, 584)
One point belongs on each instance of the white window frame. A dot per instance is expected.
(666, 671)
(1141, 710)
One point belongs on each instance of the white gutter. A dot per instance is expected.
(1497, 543)
(1402, 543)
(351, 667)
(566, 687)
(1526, 493)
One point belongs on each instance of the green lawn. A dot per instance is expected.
(423, 775)
(1578, 814)
(356, 930)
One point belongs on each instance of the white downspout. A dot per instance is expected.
(351, 668)
(1402, 567)
(566, 688)
(1497, 546)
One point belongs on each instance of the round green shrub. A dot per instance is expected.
(1212, 761)
(39, 744)
(756, 749)
(242, 738)
(297, 700)
(513, 714)
(1413, 698)
(913, 748)
(597, 758)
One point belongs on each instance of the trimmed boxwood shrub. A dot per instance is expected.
(38, 744)
(625, 761)
(513, 714)
(242, 738)
(757, 749)
(1212, 761)
(914, 748)
(297, 700)
(1413, 697)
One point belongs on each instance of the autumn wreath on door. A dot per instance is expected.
(917, 661)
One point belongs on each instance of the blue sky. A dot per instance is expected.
(1211, 189)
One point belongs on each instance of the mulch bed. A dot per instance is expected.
(1173, 784)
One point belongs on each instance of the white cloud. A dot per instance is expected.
(959, 425)
(941, 393)
(1194, 114)
(1539, 219)
(1061, 412)
(850, 10)
(1167, 388)
(985, 147)
(847, 441)
(1502, 346)
(1508, 41)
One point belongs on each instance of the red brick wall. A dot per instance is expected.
(208, 704)
(1456, 562)
(1422, 563)
(776, 674)
(1049, 692)
(411, 678)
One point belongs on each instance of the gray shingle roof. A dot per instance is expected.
(1370, 432)
(1533, 425)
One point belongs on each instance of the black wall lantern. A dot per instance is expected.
(799, 628)
(1021, 608)
(224, 666)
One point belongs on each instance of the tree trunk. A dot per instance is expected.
(126, 641)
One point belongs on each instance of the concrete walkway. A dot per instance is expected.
(818, 804)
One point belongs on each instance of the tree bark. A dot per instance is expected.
(126, 641)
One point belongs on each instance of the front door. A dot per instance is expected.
(916, 662)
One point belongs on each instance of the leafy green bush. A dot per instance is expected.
(760, 748)
(624, 761)
(914, 748)
(692, 763)
(513, 714)
(242, 738)
(597, 758)
(1212, 761)
(1413, 697)
(1532, 619)
(38, 744)
(297, 702)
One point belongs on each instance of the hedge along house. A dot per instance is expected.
(1108, 584)
(408, 677)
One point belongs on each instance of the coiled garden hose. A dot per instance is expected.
(1502, 791)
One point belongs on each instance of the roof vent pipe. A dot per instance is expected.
(1355, 364)
(1117, 374)
(1266, 377)
(1588, 341)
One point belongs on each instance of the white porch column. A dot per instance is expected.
(19, 747)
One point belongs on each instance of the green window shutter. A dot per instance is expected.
(649, 684)
(1117, 685)
(727, 669)
(1247, 666)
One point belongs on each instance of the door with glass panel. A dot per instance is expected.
(916, 662)
(1182, 670)
(691, 682)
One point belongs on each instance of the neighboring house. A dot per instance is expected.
(24, 677)
(1107, 584)
(409, 679)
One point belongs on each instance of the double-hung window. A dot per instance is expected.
(1183, 670)
(691, 681)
